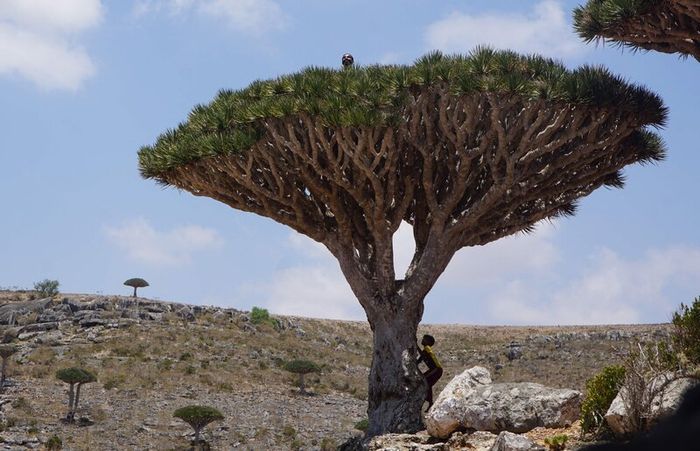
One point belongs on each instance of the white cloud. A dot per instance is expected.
(248, 16)
(68, 16)
(613, 290)
(315, 288)
(545, 30)
(144, 244)
(481, 265)
(317, 291)
(37, 41)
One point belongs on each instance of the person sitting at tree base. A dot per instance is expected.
(434, 372)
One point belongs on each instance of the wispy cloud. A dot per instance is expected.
(611, 290)
(254, 17)
(39, 41)
(521, 279)
(142, 243)
(544, 30)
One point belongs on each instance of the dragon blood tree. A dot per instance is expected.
(466, 149)
(669, 26)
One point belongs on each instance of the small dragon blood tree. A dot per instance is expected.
(669, 26)
(466, 149)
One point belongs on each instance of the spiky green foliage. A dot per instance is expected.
(377, 95)
(601, 389)
(75, 375)
(301, 367)
(198, 416)
(669, 26)
(591, 20)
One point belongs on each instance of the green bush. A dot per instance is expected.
(262, 316)
(686, 333)
(47, 288)
(362, 425)
(556, 442)
(54, 443)
(601, 389)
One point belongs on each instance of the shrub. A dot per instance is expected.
(301, 367)
(362, 425)
(54, 443)
(556, 442)
(601, 389)
(198, 417)
(259, 316)
(686, 333)
(75, 377)
(47, 288)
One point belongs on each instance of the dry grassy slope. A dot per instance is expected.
(148, 369)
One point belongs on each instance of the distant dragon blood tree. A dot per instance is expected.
(466, 149)
(669, 26)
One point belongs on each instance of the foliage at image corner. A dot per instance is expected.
(376, 95)
(601, 390)
(596, 16)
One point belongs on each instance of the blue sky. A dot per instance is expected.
(85, 83)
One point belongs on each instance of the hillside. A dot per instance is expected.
(153, 357)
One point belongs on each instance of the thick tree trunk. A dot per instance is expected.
(77, 398)
(4, 368)
(71, 396)
(397, 388)
(134, 292)
(302, 385)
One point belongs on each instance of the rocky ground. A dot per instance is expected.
(153, 357)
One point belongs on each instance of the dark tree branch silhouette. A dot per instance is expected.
(669, 26)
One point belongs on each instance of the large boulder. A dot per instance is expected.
(471, 402)
(446, 414)
(664, 404)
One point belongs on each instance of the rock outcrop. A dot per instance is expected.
(508, 441)
(471, 401)
(474, 441)
(664, 404)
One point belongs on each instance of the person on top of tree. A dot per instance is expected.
(434, 372)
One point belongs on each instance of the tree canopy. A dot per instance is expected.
(75, 375)
(136, 283)
(669, 26)
(418, 143)
(198, 416)
(301, 367)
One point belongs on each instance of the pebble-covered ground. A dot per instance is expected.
(153, 357)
